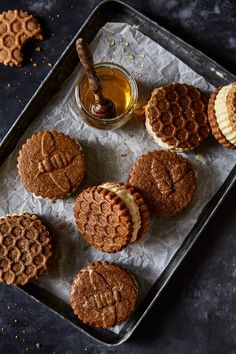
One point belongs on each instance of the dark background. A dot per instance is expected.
(197, 311)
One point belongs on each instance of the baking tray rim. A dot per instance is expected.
(203, 219)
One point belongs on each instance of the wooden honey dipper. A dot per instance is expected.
(102, 107)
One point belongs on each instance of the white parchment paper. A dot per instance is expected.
(109, 156)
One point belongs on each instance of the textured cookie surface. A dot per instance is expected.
(103, 294)
(103, 219)
(16, 28)
(176, 116)
(25, 248)
(51, 165)
(142, 207)
(166, 181)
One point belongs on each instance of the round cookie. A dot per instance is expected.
(25, 248)
(16, 28)
(103, 294)
(222, 115)
(111, 216)
(176, 116)
(166, 181)
(51, 165)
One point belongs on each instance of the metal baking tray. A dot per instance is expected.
(117, 11)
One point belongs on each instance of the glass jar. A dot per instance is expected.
(118, 85)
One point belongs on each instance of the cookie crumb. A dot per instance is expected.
(38, 49)
(50, 65)
(111, 42)
(130, 57)
(35, 65)
(38, 345)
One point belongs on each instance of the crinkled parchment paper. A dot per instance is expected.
(109, 156)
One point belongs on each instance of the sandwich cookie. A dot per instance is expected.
(111, 216)
(176, 117)
(222, 115)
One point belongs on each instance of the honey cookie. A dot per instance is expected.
(165, 179)
(111, 216)
(51, 165)
(103, 294)
(222, 115)
(25, 248)
(16, 28)
(176, 116)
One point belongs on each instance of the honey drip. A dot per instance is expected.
(114, 86)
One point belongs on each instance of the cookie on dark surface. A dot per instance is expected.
(25, 248)
(103, 294)
(176, 116)
(166, 181)
(111, 216)
(222, 115)
(16, 28)
(51, 165)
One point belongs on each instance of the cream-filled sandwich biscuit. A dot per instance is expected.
(222, 115)
(111, 216)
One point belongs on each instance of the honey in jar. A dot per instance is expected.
(118, 85)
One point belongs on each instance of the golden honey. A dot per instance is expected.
(118, 85)
(115, 86)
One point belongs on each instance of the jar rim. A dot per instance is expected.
(133, 86)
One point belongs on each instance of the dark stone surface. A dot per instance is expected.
(197, 311)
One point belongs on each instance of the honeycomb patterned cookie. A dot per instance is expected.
(103, 294)
(103, 219)
(51, 165)
(16, 28)
(176, 116)
(25, 248)
(166, 181)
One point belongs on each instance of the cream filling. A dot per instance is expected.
(222, 116)
(159, 141)
(130, 203)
